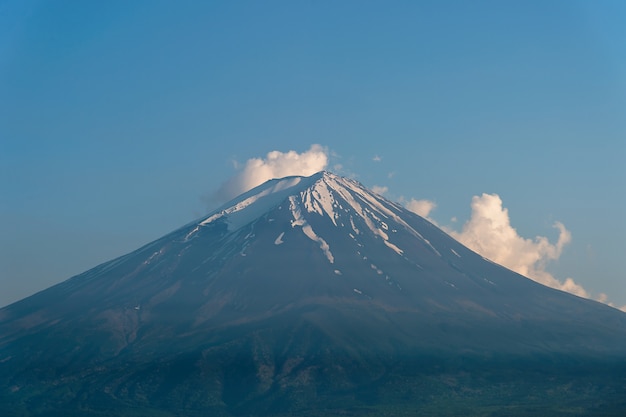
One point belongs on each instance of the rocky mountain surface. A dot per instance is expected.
(309, 295)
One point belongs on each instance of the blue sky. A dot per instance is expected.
(120, 120)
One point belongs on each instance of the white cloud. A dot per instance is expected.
(420, 207)
(377, 158)
(489, 232)
(276, 164)
(380, 189)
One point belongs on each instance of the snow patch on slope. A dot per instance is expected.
(393, 247)
(346, 188)
(279, 239)
(253, 204)
(299, 220)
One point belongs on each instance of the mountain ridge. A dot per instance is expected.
(301, 290)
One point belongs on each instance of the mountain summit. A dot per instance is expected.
(308, 294)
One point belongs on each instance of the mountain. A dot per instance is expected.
(309, 296)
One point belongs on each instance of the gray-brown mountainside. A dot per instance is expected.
(309, 295)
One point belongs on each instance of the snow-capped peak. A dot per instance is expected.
(344, 201)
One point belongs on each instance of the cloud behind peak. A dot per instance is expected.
(276, 164)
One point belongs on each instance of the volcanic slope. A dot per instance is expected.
(309, 294)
